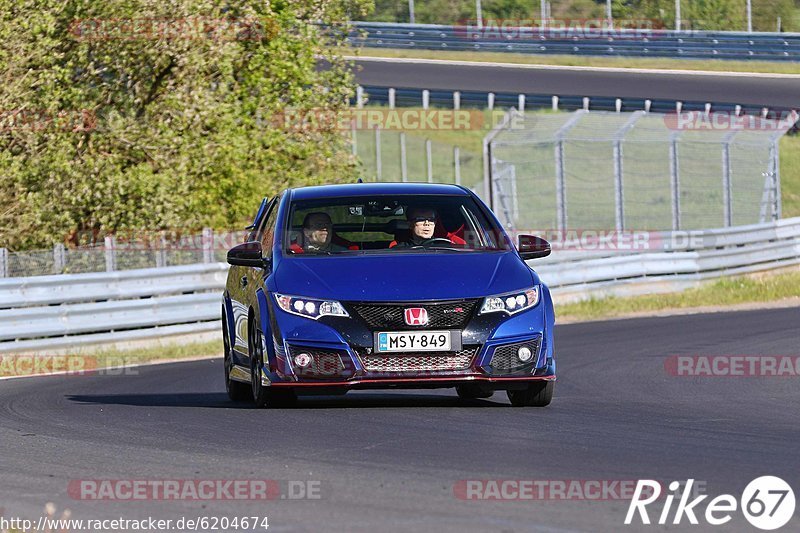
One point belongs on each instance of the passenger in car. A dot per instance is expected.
(318, 236)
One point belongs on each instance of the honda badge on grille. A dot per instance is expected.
(416, 316)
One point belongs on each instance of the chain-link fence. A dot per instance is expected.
(602, 170)
(397, 156)
(122, 252)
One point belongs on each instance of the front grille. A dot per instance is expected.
(505, 358)
(419, 362)
(441, 315)
(325, 364)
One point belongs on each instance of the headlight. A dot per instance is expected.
(309, 307)
(511, 303)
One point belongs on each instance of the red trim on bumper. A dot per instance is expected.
(389, 381)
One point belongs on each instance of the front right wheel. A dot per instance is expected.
(538, 394)
(265, 396)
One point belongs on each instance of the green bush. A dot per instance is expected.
(169, 130)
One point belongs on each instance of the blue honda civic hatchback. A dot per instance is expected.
(385, 285)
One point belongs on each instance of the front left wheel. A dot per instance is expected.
(538, 394)
(237, 391)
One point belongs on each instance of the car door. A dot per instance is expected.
(241, 291)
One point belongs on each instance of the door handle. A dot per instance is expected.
(243, 281)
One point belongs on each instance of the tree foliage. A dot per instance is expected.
(108, 128)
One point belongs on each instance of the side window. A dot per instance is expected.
(268, 229)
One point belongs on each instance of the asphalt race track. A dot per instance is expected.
(741, 89)
(390, 460)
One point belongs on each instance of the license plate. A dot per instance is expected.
(413, 341)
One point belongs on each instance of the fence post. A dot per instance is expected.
(457, 164)
(4, 263)
(359, 97)
(727, 192)
(674, 182)
(776, 179)
(354, 134)
(561, 186)
(59, 258)
(561, 181)
(161, 252)
(378, 162)
(208, 245)
(619, 191)
(111, 253)
(403, 160)
(429, 159)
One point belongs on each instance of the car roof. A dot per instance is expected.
(369, 189)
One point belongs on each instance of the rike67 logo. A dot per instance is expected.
(767, 503)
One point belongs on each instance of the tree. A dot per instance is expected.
(156, 114)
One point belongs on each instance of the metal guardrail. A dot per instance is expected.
(636, 43)
(68, 311)
(49, 312)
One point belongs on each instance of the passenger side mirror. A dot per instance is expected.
(532, 247)
(248, 254)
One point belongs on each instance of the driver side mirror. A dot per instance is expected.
(532, 247)
(248, 254)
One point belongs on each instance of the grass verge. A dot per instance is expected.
(90, 359)
(724, 292)
(713, 65)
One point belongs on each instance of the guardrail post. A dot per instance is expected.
(391, 97)
(59, 258)
(456, 100)
(457, 164)
(111, 253)
(554, 102)
(3, 263)
(378, 162)
(429, 159)
(403, 160)
(426, 98)
(521, 103)
(490, 101)
(208, 245)
(586, 103)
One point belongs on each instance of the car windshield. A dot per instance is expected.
(390, 224)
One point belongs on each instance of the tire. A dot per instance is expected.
(265, 396)
(473, 391)
(237, 391)
(538, 394)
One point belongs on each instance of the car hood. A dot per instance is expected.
(403, 276)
